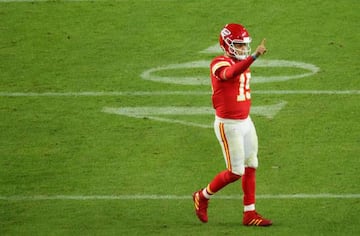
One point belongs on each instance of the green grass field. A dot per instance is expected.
(104, 109)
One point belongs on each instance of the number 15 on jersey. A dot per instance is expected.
(244, 87)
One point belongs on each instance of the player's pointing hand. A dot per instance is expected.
(261, 49)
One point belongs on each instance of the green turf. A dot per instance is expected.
(54, 145)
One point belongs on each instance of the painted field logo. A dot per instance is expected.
(165, 74)
(304, 70)
(160, 113)
(151, 74)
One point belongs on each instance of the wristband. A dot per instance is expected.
(254, 56)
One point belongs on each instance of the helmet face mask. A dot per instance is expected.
(235, 41)
(239, 50)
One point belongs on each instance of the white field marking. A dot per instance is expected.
(150, 74)
(311, 92)
(214, 49)
(153, 113)
(166, 93)
(173, 197)
(100, 93)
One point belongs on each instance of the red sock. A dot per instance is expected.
(221, 180)
(248, 185)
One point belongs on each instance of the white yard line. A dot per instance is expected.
(173, 197)
(166, 93)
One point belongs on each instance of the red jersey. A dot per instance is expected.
(231, 98)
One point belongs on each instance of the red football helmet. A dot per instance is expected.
(233, 34)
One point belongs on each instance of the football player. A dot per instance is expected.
(234, 129)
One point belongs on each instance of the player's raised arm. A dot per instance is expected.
(261, 49)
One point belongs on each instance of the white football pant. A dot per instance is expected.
(239, 143)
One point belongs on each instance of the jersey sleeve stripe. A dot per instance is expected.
(218, 65)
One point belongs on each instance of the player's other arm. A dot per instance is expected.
(239, 68)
